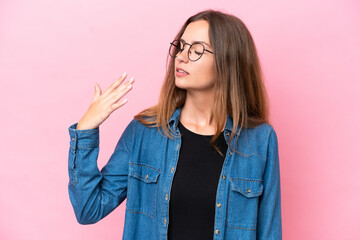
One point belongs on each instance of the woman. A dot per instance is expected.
(201, 164)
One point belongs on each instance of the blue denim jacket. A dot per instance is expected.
(142, 168)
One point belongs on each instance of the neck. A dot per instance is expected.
(196, 114)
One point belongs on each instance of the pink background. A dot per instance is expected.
(52, 52)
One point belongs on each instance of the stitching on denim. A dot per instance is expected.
(247, 143)
(89, 146)
(156, 191)
(227, 218)
(221, 207)
(83, 130)
(246, 179)
(271, 129)
(226, 162)
(227, 207)
(156, 196)
(115, 197)
(248, 194)
(250, 229)
(235, 143)
(145, 165)
(246, 155)
(132, 134)
(74, 179)
(145, 180)
(141, 212)
(74, 161)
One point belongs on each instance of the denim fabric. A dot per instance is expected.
(142, 167)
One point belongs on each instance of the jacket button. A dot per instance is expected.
(165, 221)
(172, 170)
(218, 204)
(227, 134)
(230, 153)
(166, 197)
(147, 176)
(73, 139)
(217, 231)
(223, 176)
(248, 190)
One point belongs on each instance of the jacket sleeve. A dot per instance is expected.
(269, 225)
(93, 193)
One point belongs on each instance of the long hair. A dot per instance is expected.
(239, 87)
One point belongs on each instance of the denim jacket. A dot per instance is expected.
(142, 168)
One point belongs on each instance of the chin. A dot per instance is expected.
(185, 84)
(180, 83)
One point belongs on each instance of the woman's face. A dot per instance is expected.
(199, 75)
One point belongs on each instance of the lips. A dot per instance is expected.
(180, 70)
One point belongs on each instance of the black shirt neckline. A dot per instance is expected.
(182, 127)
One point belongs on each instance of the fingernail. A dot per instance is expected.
(130, 86)
(124, 74)
(132, 80)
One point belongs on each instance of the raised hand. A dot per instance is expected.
(102, 105)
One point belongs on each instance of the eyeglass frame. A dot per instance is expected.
(190, 45)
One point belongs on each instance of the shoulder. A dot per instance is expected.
(262, 132)
(257, 140)
(137, 128)
(139, 125)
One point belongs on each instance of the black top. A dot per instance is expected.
(193, 191)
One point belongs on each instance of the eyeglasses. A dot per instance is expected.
(196, 50)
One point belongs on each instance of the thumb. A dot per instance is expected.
(97, 91)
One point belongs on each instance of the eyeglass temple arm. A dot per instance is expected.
(209, 51)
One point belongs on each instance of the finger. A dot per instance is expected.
(132, 80)
(115, 84)
(97, 92)
(125, 86)
(120, 92)
(98, 87)
(124, 90)
(119, 104)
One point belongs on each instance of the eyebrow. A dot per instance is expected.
(197, 42)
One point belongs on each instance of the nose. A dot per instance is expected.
(183, 55)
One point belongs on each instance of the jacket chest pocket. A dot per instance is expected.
(142, 189)
(243, 203)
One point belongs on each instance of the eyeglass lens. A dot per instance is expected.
(194, 53)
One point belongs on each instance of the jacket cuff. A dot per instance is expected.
(85, 138)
